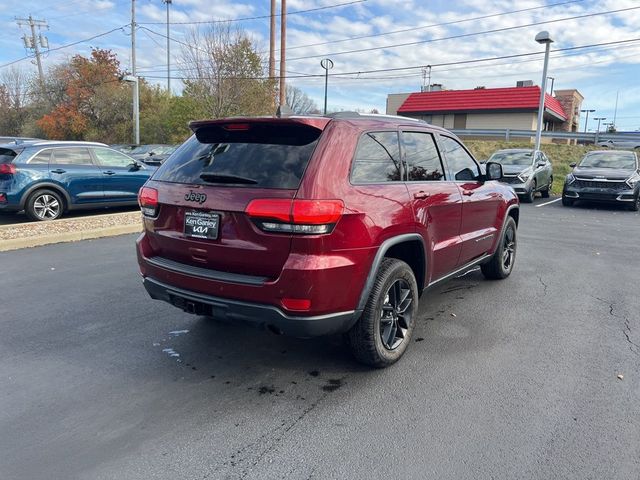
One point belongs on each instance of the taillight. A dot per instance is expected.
(7, 169)
(148, 201)
(311, 217)
(3, 198)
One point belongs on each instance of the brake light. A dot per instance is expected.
(3, 198)
(148, 201)
(7, 169)
(236, 126)
(312, 217)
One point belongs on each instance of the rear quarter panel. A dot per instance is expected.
(373, 213)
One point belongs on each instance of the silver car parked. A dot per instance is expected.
(620, 144)
(527, 171)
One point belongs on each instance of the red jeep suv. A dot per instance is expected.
(315, 225)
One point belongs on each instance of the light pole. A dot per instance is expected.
(136, 107)
(586, 120)
(168, 2)
(542, 38)
(598, 129)
(327, 64)
(553, 79)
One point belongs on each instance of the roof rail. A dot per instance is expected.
(372, 115)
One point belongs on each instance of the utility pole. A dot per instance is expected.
(136, 104)
(35, 41)
(283, 46)
(272, 41)
(168, 2)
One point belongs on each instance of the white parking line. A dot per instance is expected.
(547, 203)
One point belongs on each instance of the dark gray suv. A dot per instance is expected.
(527, 171)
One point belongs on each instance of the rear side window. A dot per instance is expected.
(259, 155)
(71, 156)
(422, 157)
(41, 158)
(110, 158)
(377, 158)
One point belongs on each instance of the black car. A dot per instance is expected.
(604, 176)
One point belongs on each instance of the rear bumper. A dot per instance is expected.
(258, 315)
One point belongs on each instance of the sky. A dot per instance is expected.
(377, 46)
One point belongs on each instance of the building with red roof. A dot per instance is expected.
(514, 108)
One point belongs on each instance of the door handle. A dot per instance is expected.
(421, 194)
(109, 172)
(58, 170)
(468, 193)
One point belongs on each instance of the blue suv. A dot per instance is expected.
(48, 178)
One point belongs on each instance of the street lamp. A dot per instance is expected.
(136, 107)
(553, 79)
(586, 120)
(598, 129)
(542, 38)
(327, 64)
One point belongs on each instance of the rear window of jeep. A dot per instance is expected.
(262, 155)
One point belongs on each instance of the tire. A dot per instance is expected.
(528, 197)
(567, 202)
(635, 207)
(501, 263)
(44, 205)
(383, 332)
(547, 190)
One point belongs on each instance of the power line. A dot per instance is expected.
(415, 67)
(463, 35)
(260, 17)
(61, 47)
(424, 27)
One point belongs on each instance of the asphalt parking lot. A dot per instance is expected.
(510, 379)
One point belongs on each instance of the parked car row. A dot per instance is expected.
(606, 176)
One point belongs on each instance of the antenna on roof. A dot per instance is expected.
(284, 111)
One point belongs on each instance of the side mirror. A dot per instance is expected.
(541, 163)
(493, 171)
(572, 164)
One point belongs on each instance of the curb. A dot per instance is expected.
(18, 243)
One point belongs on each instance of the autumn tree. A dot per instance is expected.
(300, 102)
(225, 73)
(90, 101)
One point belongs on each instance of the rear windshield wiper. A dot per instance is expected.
(221, 178)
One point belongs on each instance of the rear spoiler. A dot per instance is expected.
(285, 131)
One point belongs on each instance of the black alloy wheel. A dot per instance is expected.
(395, 317)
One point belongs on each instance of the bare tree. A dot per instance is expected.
(300, 102)
(14, 93)
(225, 73)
